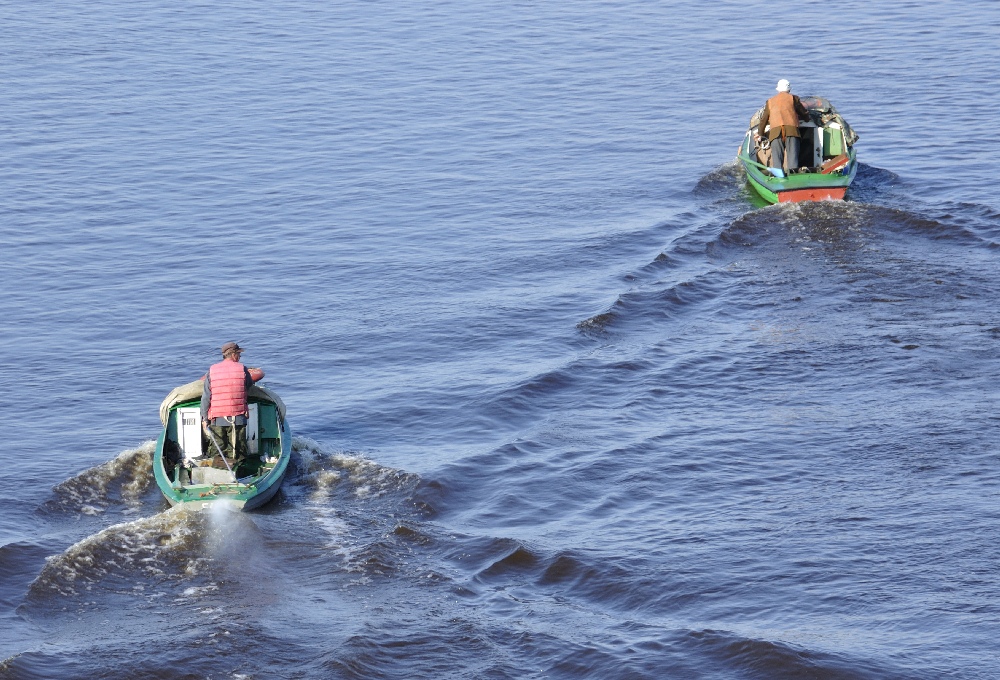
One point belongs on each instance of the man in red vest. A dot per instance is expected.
(783, 112)
(224, 409)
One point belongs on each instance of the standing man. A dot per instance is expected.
(783, 112)
(224, 409)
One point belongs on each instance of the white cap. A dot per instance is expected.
(783, 86)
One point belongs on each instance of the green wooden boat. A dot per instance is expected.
(827, 159)
(180, 456)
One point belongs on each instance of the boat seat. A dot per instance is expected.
(835, 164)
(209, 475)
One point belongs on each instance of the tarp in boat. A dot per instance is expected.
(193, 390)
(820, 104)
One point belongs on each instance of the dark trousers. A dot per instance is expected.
(779, 147)
(232, 439)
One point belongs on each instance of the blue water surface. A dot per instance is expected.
(567, 402)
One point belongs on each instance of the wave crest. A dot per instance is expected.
(121, 481)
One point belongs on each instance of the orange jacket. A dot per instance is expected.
(782, 111)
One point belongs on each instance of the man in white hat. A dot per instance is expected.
(783, 112)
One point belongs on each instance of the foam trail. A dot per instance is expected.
(121, 480)
(166, 545)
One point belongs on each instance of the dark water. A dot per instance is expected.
(567, 404)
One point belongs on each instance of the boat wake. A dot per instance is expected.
(321, 473)
(836, 224)
(656, 300)
(690, 278)
(873, 184)
(122, 481)
(343, 491)
(724, 179)
(171, 545)
(353, 501)
(851, 224)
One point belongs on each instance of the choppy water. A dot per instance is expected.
(567, 404)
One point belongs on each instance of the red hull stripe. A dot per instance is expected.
(820, 194)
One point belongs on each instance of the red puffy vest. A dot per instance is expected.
(229, 390)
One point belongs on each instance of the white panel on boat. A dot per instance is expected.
(189, 431)
(253, 430)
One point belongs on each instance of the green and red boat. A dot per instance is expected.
(826, 165)
(181, 461)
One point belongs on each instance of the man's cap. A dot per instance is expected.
(230, 347)
(783, 86)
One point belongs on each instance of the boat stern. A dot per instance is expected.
(812, 194)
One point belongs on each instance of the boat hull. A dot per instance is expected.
(235, 496)
(176, 484)
(812, 186)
